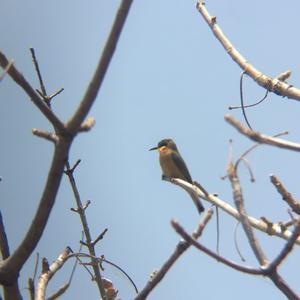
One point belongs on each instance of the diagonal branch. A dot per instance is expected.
(276, 85)
(97, 80)
(9, 268)
(48, 274)
(180, 248)
(191, 241)
(274, 229)
(273, 275)
(288, 247)
(262, 138)
(36, 99)
(286, 196)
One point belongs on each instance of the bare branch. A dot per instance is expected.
(10, 267)
(262, 138)
(258, 224)
(88, 243)
(48, 99)
(277, 279)
(181, 247)
(31, 288)
(100, 237)
(36, 99)
(239, 202)
(286, 249)
(4, 247)
(37, 68)
(49, 136)
(283, 286)
(190, 240)
(253, 147)
(276, 85)
(286, 196)
(48, 273)
(6, 70)
(11, 291)
(64, 288)
(96, 82)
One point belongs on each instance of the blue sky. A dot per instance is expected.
(169, 78)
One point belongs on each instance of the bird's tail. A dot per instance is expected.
(197, 202)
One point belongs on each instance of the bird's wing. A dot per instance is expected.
(182, 166)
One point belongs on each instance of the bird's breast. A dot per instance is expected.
(168, 166)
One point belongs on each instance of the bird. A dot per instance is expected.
(173, 166)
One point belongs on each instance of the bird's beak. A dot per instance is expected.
(154, 148)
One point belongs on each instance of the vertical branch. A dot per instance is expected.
(4, 248)
(239, 202)
(37, 68)
(90, 245)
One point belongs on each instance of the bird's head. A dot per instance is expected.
(164, 145)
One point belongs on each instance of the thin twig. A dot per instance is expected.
(55, 94)
(262, 138)
(37, 68)
(36, 266)
(288, 247)
(248, 166)
(100, 237)
(275, 85)
(253, 147)
(286, 196)
(31, 281)
(98, 278)
(179, 229)
(35, 98)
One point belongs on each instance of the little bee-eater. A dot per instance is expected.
(173, 166)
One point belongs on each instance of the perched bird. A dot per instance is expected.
(173, 165)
